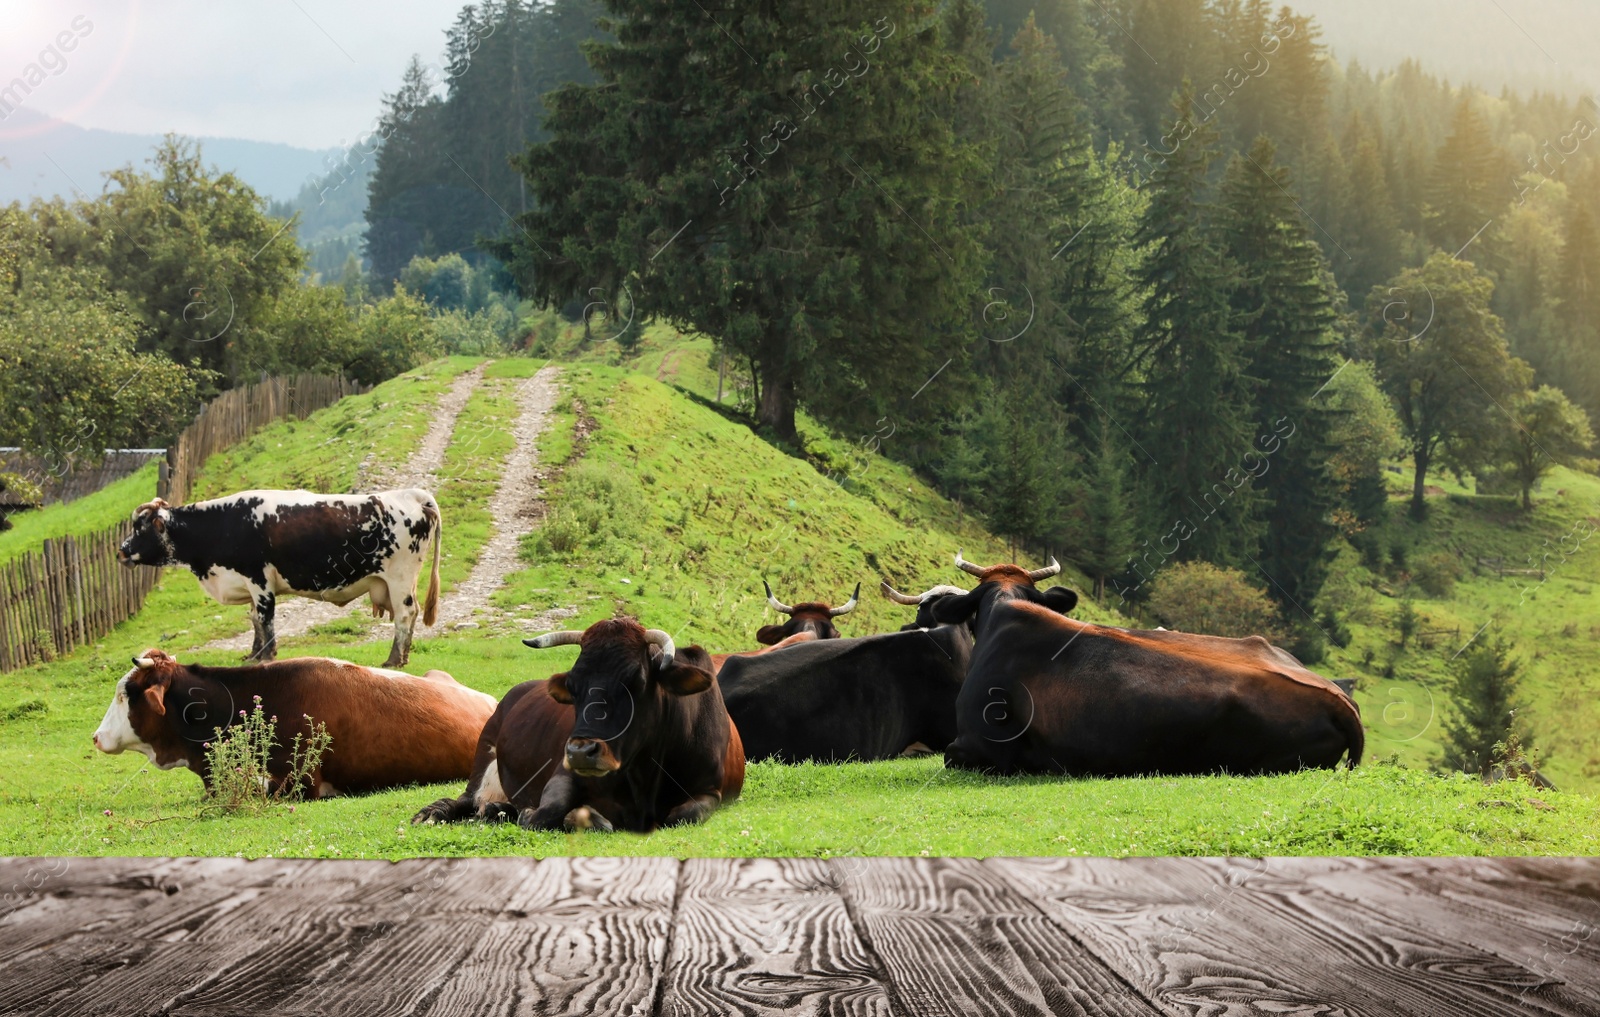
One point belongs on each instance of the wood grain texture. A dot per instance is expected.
(767, 936)
(1549, 925)
(574, 936)
(1228, 937)
(955, 938)
(871, 937)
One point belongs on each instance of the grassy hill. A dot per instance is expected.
(660, 505)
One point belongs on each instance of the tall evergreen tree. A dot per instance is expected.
(1199, 419)
(1369, 225)
(741, 176)
(1104, 535)
(407, 175)
(1284, 313)
(1467, 189)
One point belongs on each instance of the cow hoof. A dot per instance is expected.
(433, 813)
(916, 749)
(585, 818)
(497, 812)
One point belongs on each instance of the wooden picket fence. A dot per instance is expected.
(67, 594)
(72, 591)
(236, 414)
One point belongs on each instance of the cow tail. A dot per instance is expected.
(430, 605)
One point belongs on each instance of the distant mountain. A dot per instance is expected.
(44, 158)
(1528, 47)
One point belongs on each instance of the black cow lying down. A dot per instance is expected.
(633, 737)
(1049, 694)
(874, 697)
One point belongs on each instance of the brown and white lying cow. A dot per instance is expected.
(389, 729)
(633, 737)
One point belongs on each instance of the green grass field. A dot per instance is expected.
(108, 506)
(668, 509)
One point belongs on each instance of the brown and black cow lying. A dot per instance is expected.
(1049, 694)
(633, 737)
(814, 617)
(389, 729)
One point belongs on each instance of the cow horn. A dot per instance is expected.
(567, 637)
(1046, 572)
(898, 597)
(847, 606)
(774, 603)
(968, 567)
(921, 598)
(664, 641)
(144, 662)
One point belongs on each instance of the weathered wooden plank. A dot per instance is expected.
(767, 936)
(1542, 914)
(1213, 937)
(955, 938)
(579, 936)
(105, 918)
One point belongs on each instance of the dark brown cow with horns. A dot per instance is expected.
(1049, 694)
(813, 617)
(633, 737)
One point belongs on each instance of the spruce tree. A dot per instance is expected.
(1284, 314)
(1369, 227)
(1199, 419)
(786, 180)
(407, 175)
(1467, 189)
(1104, 538)
(1485, 703)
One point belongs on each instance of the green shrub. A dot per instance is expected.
(1202, 598)
(1309, 644)
(1436, 574)
(239, 762)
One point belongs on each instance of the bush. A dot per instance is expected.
(1202, 598)
(483, 333)
(239, 762)
(1436, 574)
(1309, 643)
(394, 335)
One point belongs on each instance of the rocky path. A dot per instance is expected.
(515, 508)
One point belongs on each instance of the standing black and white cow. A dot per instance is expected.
(252, 547)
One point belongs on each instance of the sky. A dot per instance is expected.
(309, 73)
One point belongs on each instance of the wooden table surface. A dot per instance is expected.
(1313, 936)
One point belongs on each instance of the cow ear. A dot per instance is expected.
(684, 679)
(1060, 599)
(556, 685)
(156, 696)
(955, 610)
(766, 635)
(159, 523)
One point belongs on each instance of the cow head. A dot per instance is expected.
(621, 672)
(923, 602)
(814, 617)
(999, 583)
(149, 543)
(140, 714)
